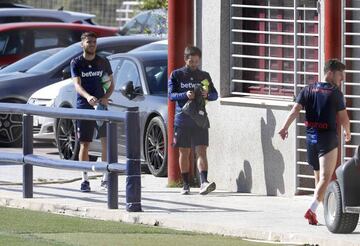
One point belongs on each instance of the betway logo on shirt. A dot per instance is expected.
(188, 85)
(91, 74)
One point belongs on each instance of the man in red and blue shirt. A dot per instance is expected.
(323, 103)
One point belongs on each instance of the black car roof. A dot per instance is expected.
(144, 56)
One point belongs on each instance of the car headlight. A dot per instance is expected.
(41, 102)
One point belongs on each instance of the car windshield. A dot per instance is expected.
(29, 61)
(156, 76)
(57, 59)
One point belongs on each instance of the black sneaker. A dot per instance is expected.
(104, 185)
(185, 190)
(85, 186)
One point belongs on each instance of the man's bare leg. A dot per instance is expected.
(327, 165)
(184, 155)
(104, 157)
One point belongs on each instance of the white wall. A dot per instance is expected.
(245, 152)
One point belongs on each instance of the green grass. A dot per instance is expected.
(23, 227)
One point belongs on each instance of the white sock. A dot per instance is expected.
(105, 177)
(314, 205)
(85, 177)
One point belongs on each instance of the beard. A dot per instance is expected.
(90, 51)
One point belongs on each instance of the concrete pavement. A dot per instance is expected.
(275, 219)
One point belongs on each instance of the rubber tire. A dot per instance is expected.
(18, 141)
(158, 123)
(76, 147)
(342, 222)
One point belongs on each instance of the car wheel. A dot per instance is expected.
(11, 129)
(67, 142)
(337, 221)
(156, 147)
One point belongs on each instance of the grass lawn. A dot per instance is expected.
(24, 227)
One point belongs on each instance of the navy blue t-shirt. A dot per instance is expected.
(90, 73)
(321, 102)
(182, 80)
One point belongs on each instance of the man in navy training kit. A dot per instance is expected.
(187, 134)
(323, 102)
(87, 72)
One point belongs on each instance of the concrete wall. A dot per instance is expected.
(245, 152)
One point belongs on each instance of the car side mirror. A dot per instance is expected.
(66, 73)
(129, 91)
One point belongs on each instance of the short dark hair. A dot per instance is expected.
(87, 35)
(334, 65)
(192, 51)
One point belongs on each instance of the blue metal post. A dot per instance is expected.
(112, 157)
(27, 143)
(133, 170)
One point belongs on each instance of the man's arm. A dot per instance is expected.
(345, 122)
(79, 89)
(294, 113)
(172, 92)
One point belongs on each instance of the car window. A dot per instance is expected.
(47, 38)
(156, 77)
(115, 63)
(136, 26)
(9, 19)
(12, 43)
(29, 61)
(39, 19)
(127, 72)
(59, 58)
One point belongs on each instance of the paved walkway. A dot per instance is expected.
(260, 217)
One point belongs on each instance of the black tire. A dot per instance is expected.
(337, 221)
(155, 146)
(66, 139)
(11, 128)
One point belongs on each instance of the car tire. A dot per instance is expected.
(11, 128)
(336, 220)
(66, 139)
(155, 146)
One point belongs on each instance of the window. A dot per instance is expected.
(48, 38)
(274, 52)
(136, 26)
(12, 43)
(156, 77)
(127, 72)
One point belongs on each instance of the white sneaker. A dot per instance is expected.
(206, 188)
(185, 190)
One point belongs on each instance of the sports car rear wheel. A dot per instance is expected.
(156, 147)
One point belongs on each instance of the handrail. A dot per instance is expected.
(131, 167)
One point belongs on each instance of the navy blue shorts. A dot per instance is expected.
(85, 130)
(318, 144)
(187, 137)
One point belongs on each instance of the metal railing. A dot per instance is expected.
(350, 86)
(131, 167)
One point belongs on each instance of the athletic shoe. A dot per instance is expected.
(207, 187)
(185, 190)
(104, 185)
(85, 186)
(311, 217)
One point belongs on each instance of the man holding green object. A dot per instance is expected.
(88, 72)
(190, 85)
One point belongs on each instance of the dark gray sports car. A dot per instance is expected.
(140, 81)
(17, 87)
